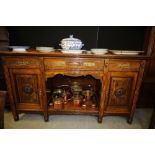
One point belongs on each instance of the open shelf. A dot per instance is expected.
(70, 107)
(80, 103)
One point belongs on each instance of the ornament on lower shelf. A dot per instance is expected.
(58, 103)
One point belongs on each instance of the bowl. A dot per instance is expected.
(45, 49)
(99, 50)
(19, 48)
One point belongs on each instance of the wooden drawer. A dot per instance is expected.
(73, 64)
(21, 62)
(124, 65)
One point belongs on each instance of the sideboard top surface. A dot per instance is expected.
(59, 54)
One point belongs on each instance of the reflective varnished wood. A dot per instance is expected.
(152, 121)
(120, 77)
(2, 102)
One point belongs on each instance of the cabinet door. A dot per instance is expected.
(27, 89)
(120, 92)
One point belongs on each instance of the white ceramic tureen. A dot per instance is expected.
(71, 43)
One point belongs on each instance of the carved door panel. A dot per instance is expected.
(27, 88)
(120, 91)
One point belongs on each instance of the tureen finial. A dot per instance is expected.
(71, 36)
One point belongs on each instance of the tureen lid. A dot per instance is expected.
(71, 38)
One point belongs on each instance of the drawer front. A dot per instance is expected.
(73, 64)
(22, 62)
(124, 65)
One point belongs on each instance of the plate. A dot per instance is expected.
(45, 49)
(99, 50)
(19, 48)
(129, 53)
(126, 52)
(72, 51)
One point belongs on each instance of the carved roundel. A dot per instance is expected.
(28, 89)
(120, 92)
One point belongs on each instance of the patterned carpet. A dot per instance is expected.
(35, 121)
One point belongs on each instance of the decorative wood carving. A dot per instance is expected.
(22, 62)
(27, 88)
(124, 65)
(120, 90)
(120, 78)
(76, 64)
(96, 75)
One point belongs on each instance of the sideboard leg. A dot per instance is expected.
(152, 122)
(129, 120)
(16, 117)
(46, 117)
(99, 119)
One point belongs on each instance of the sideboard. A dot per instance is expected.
(32, 76)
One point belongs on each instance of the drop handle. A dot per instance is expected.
(124, 66)
(74, 64)
(22, 62)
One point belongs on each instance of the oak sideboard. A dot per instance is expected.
(31, 78)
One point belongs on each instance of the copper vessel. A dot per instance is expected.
(75, 88)
(58, 103)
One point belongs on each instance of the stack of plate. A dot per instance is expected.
(45, 49)
(99, 51)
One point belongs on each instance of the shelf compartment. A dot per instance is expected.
(71, 108)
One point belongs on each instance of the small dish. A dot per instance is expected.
(118, 52)
(45, 49)
(132, 52)
(19, 48)
(72, 51)
(99, 50)
(129, 53)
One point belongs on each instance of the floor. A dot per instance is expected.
(35, 121)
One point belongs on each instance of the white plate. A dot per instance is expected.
(19, 48)
(99, 50)
(45, 49)
(126, 52)
(72, 51)
(99, 53)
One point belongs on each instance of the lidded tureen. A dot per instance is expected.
(71, 43)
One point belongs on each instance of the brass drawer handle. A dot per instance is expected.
(123, 66)
(22, 63)
(89, 64)
(59, 64)
(73, 64)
